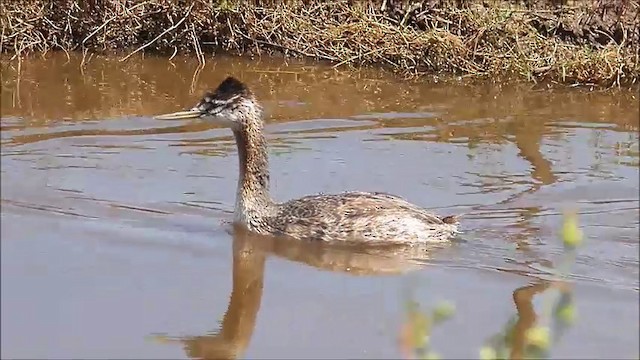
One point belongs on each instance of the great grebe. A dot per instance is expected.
(351, 216)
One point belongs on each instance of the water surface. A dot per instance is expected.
(116, 226)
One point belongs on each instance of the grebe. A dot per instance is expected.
(371, 217)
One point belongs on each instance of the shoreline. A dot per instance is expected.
(593, 43)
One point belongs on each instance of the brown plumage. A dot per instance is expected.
(351, 216)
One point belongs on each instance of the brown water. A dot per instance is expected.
(115, 226)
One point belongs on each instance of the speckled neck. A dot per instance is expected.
(252, 196)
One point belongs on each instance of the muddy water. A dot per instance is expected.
(116, 240)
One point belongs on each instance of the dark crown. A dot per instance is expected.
(231, 91)
(230, 88)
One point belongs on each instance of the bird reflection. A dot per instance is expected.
(250, 252)
(239, 321)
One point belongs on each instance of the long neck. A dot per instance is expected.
(252, 196)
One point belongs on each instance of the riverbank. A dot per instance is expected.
(582, 42)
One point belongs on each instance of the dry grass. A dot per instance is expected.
(578, 43)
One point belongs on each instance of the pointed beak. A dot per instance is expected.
(187, 114)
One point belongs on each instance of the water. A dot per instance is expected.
(116, 235)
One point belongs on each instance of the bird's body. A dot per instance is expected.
(351, 216)
(356, 216)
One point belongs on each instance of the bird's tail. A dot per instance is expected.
(453, 219)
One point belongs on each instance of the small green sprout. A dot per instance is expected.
(488, 353)
(538, 336)
(443, 311)
(565, 310)
(432, 356)
(558, 313)
(571, 233)
(567, 314)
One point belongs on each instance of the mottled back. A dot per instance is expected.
(361, 216)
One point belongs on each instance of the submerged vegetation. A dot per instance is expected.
(526, 334)
(572, 42)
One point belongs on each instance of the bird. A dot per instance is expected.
(354, 216)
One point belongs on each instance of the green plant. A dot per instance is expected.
(524, 335)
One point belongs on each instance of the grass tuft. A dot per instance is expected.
(574, 42)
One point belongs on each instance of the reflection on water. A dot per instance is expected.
(82, 155)
(239, 320)
(523, 299)
(250, 252)
(249, 256)
(509, 342)
(513, 337)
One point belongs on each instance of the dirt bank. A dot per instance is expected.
(583, 42)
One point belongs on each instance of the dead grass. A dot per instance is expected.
(574, 43)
